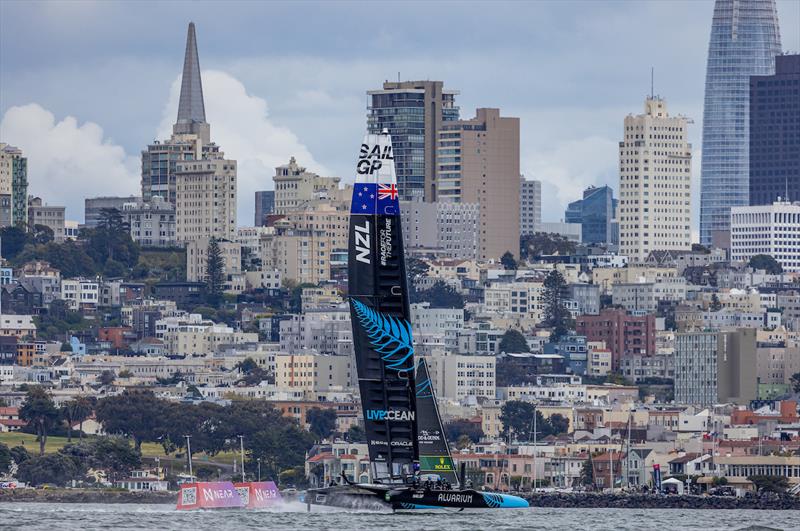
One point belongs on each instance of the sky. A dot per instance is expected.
(85, 86)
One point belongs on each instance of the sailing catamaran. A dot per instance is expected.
(406, 441)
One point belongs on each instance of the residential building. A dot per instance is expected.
(13, 186)
(413, 112)
(295, 186)
(745, 39)
(197, 259)
(655, 180)
(51, 217)
(774, 141)
(478, 162)
(522, 299)
(449, 229)
(19, 326)
(205, 198)
(716, 367)
(265, 205)
(152, 224)
(456, 376)
(595, 213)
(623, 334)
(302, 256)
(314, 372)
(772, 229)
(80, 293)
(93, 207)
(530, 206)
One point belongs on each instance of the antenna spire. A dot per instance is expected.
(652, 75)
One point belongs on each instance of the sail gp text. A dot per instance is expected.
(385, 236)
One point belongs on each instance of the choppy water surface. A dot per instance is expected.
(67, 517)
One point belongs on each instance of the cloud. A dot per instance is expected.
(68, 161)
(240, 125)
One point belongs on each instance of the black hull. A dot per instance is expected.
(377, 497)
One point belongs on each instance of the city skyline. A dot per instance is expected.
(317, 100)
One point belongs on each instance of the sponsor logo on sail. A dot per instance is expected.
(391, 415)
(371, 160)
(386, 242)
(429, 436)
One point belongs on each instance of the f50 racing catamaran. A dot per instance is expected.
(406, 441)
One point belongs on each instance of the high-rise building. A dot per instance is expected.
(205, 199)
(450, 230)
(716, 367)
(595, 213)
(93, 207)
(51, 217)
(189, 170)
(478, 162)
(767, 229)
(13, 186)
(775, 133)
(295, 186)
(265, 205)
(190, 142)
(655, 181)
(413, 112)
(530, 206)
(744, 42)
(625, 335)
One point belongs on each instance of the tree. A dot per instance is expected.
(558, 424)
(463, 442)
(556, 314)
(356, 434)
(106, 377)
(542, 243)
(513, 341)
(56, 469)
(716, 305)
(40, 412)
(42, 234)
(134, 414)
(115, 455)
(587, 473)
(12, 241)
(795, 381)
(508, 261)
(110, 243)
(517, 419)
(770, 483)
(767, 263)
(459, 428)
(321, 421)
(441, 295)
(215, 273)
(5, 459)
(253, 374)
(73, 411)
(19, 454)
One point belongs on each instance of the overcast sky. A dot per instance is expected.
(84, 86)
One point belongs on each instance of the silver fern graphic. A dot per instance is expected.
(390, 336)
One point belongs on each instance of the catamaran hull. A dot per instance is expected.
(377, 497)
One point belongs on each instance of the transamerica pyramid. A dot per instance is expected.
(191, 110)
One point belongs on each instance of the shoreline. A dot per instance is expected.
(539, 500)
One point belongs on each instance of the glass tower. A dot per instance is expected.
(744, 41)
(594, 212)
(413, 112)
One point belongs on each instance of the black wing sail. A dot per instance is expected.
(380, 315)
(434, 452)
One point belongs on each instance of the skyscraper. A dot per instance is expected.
(191, 133)
(13, 186)
(189, 170)
(530, 206)
(744, 41)
(775, 133)
(478, 162)
(594, 212)
(413, 112)
(265, 205)
(655, 180)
